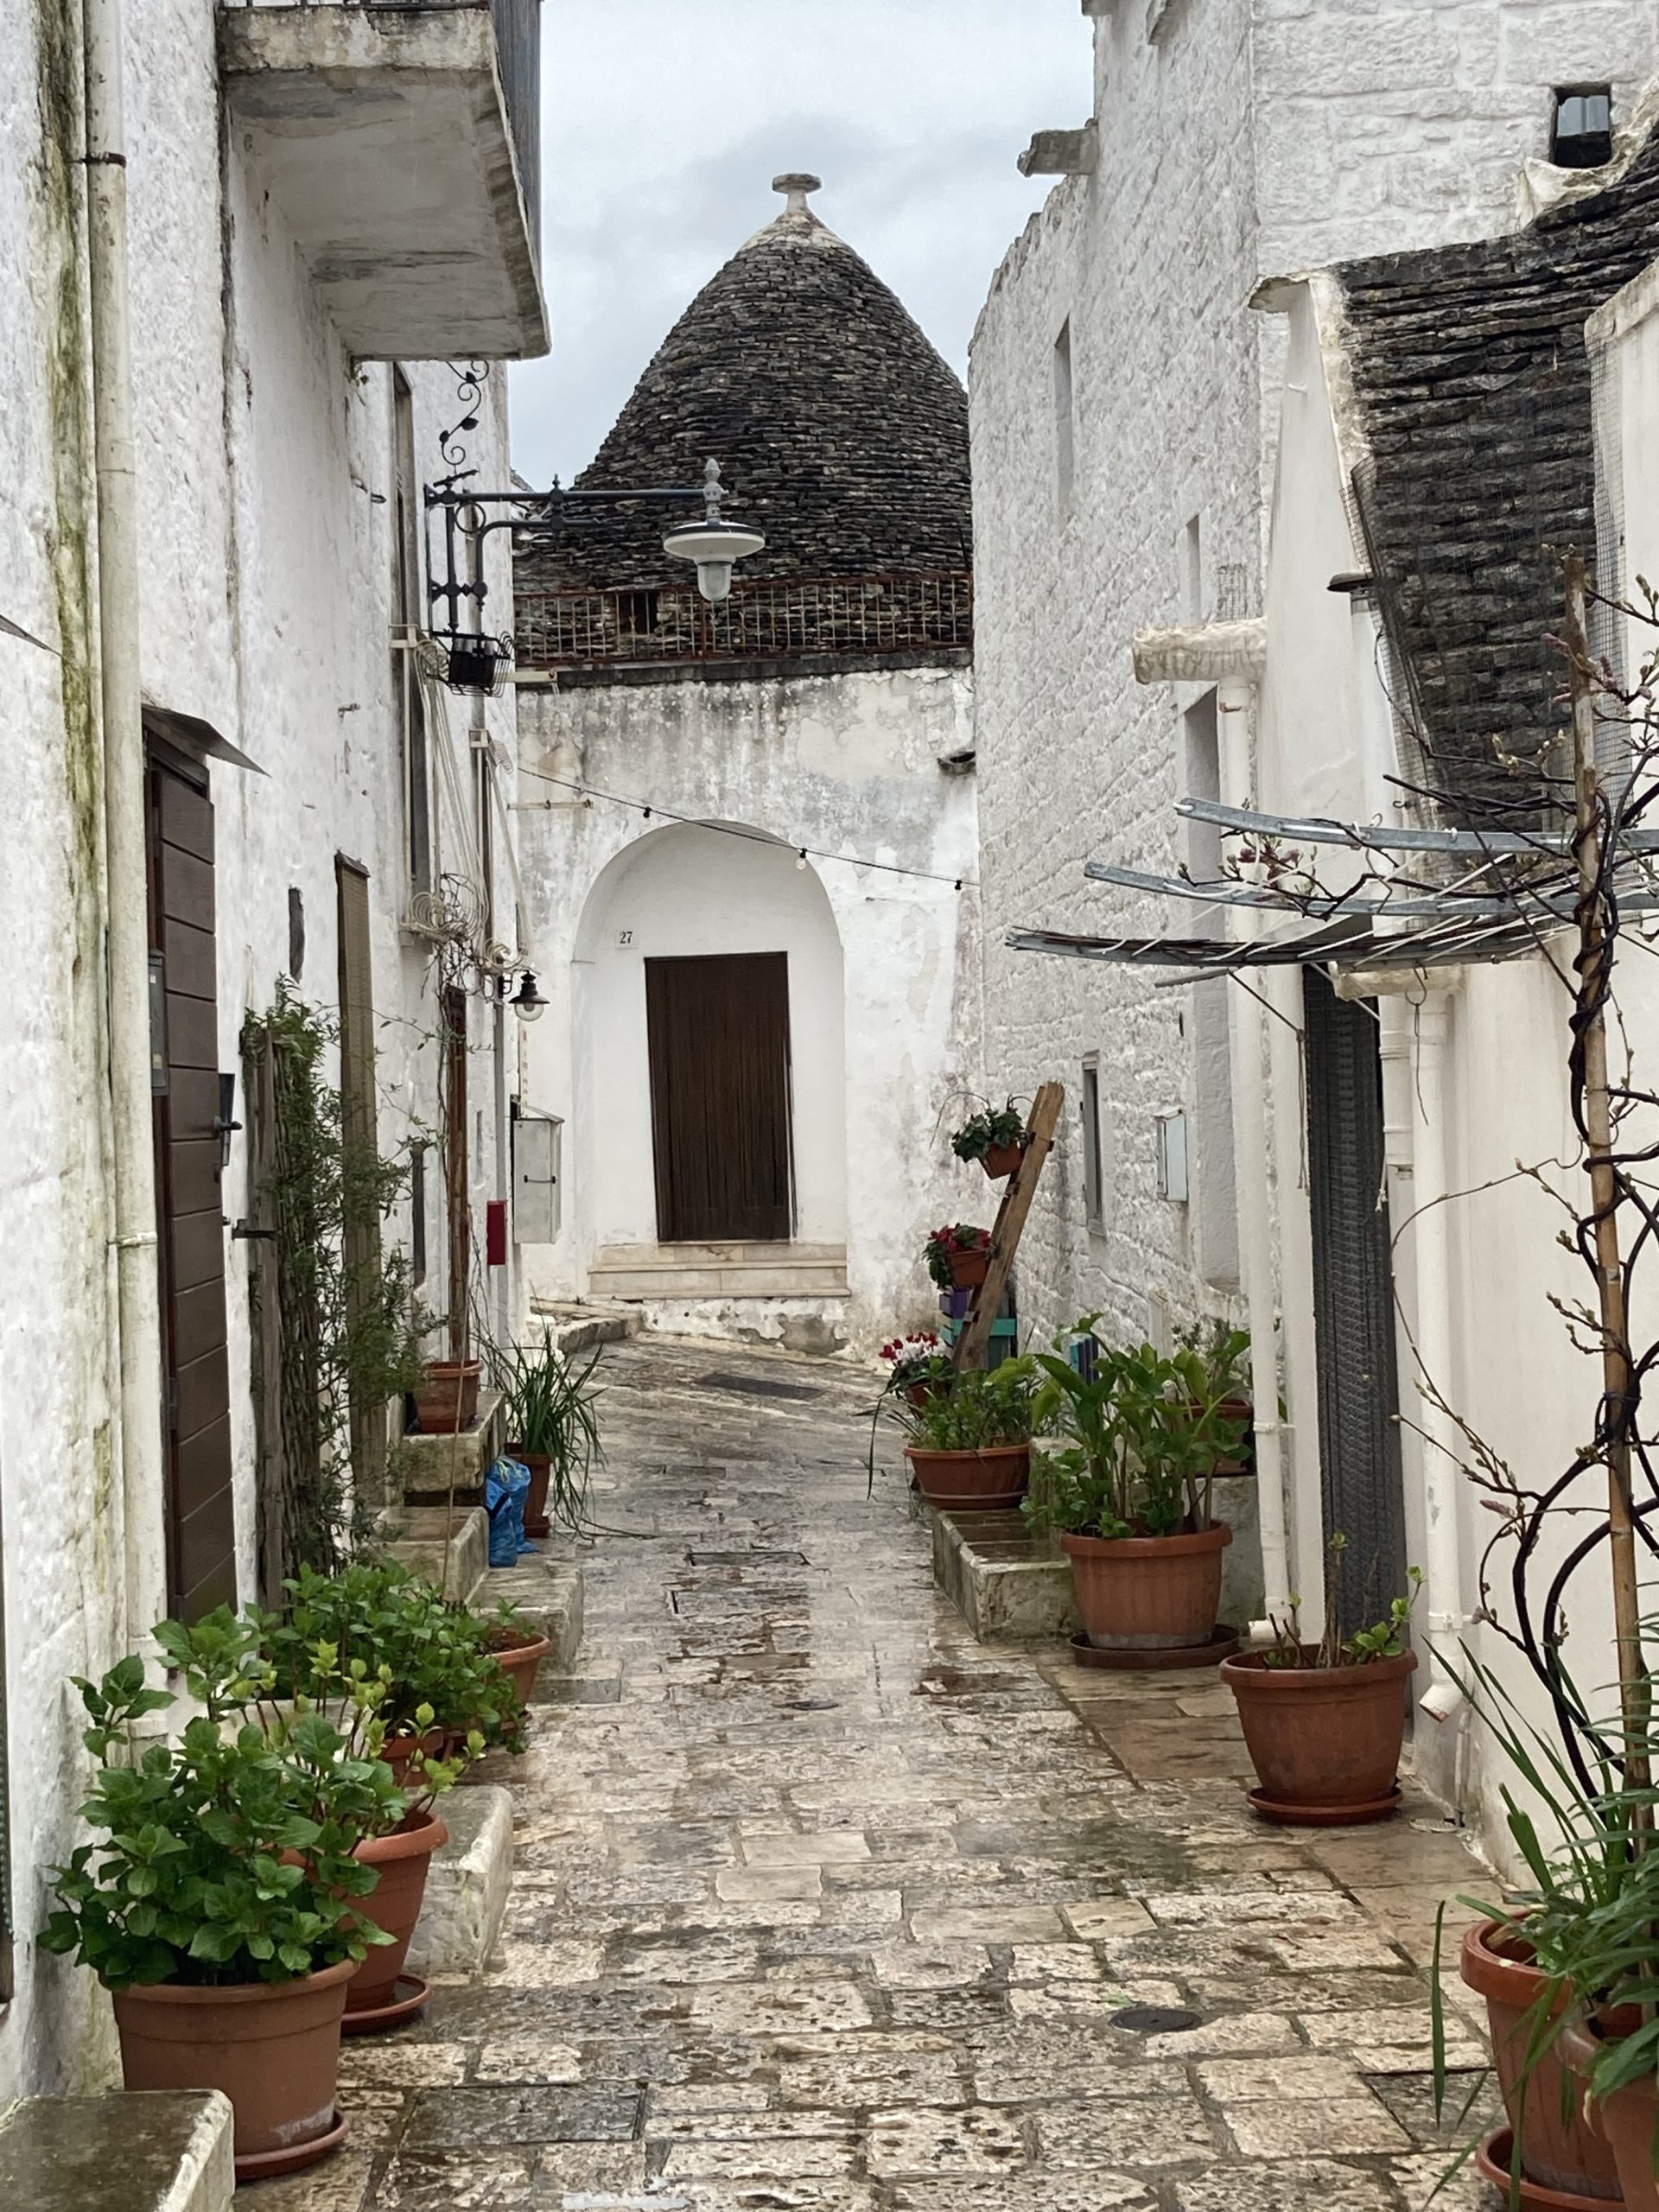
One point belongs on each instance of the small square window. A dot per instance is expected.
(1583, 135)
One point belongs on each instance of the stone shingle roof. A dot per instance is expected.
(840, 431)
(1473, 382)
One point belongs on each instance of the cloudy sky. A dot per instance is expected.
(666, 120)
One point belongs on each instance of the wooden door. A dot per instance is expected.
(201, 1525)
(718, 1028)
(1363, 1492)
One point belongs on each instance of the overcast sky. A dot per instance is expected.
(665, 122)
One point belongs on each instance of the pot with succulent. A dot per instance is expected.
(444, 1700)
(1323, 1723)
(994, 1136)
(969, 1442)
(959, 1255)
(223, 1904)
(1130, 1491)
(552, 1425)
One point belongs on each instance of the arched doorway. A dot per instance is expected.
(708, 1014)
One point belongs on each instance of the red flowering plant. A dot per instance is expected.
(957, 1239)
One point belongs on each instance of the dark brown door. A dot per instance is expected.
(719, 1039)
(459, 1218)
(201, 1525)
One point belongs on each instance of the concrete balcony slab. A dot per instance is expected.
(384, 138)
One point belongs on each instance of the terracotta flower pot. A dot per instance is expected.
(968, 1269)
(1147, 1593)
(918, 1393)
(1324, 1741)
(985, 1482)
(446, 1397)
(541, 1472)
(520, 1661)
(1561, 2149)
(274, 2050)
(1626, 2121)
(398, 1753)
(393, 1905)
(1001, 1159)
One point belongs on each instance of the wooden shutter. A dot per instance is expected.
(1353, 1301)
(718, 1045)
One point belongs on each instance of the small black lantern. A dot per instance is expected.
(477, 663)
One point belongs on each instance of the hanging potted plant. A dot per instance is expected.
(222, 1904)
(551, 1426)
(1323, 1723)
(970, 1442)
(996, 1137)
(1130, 1493)
(958, 1256)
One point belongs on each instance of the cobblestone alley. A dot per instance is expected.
(818, 1902)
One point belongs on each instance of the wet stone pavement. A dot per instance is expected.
(818, 1902)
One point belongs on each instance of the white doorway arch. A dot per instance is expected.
(690, 891)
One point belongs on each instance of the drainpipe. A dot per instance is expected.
(126, 916)
(1235, 706)
(1442, 1462)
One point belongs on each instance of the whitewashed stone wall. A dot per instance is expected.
(842, 764)
(264, 458)
(1242, 139)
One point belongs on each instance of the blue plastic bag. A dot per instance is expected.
(506, 1487)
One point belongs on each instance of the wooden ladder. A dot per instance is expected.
(974, 1345)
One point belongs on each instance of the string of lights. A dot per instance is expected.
(648, 809)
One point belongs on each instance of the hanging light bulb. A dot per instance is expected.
(714, 544)
(527, 1001)
(800, 857)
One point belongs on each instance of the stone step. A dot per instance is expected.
(415, 1535)
(736, 1270)
(421, 1468)
(579, 1327)
(466, 1884)
(166, 2152)
(547, 1591)
(1009, 1586)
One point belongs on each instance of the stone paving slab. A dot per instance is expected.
(816, 1902)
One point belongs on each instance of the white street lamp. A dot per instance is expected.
(714, 544)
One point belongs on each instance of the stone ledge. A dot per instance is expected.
(548, 1594)
(415, 1535)
(1009, 1586)
(466, 1884)
(151, 2152)
(426, 1464)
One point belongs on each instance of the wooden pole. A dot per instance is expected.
(974, 1345)
(1595, 955)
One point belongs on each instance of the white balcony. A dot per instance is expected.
(385, 135)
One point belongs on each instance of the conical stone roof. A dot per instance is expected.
(840, 431)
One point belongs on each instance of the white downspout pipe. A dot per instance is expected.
(126, 918)
(1442, 1461)
(1235, 706)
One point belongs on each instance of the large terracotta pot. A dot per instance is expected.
(541, 1473)
(446, 1397)
(957, 1482)
(1001, 1159)
(394, 1904)
(274, 2050)
(1147, 1593)
(520, 1661)
(968, 1269)
(1324, 1741)
(1628, 2119)
(1560, 2149)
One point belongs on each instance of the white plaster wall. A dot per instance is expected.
(262, 464)
(1246, 138)
(845, 764)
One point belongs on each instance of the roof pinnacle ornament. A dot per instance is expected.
(795, 184)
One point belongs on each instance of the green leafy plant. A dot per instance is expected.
(429, 1656)
(552, 1410)
(977, 1410)
(917, 1361)
(1385, 1639)
(987, 1131)
(347, 1331)
(1225, 1351)
(227, 1854)
(944, 1244)
(1144, 1432)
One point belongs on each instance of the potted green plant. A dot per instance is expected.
(969, 1441)
(551, 1426)
(1225, 1352)
(518, 1650)
(1323, 1723)
(222, 1904)
(445, 1396)
(918, 1367)
(1130, 1489)
(959, 1255)
(994, 1136)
